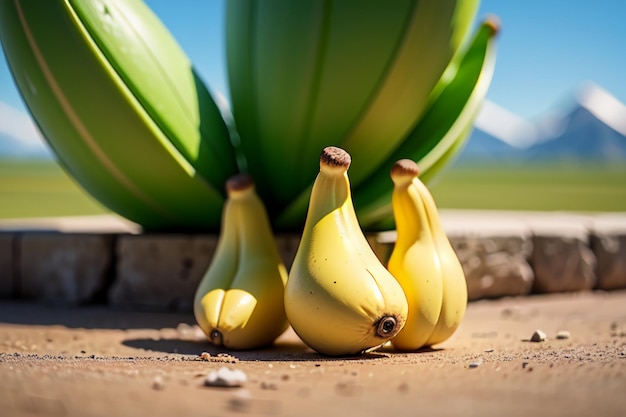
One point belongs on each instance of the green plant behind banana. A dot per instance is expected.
(127, 116)
(122, 108)
(441, 132)
(435, 140)
(357, 74)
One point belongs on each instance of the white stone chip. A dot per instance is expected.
(225, 377)
(538, 336)
(563, 334)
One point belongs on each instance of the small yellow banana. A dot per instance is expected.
(454, 282)
(424, 263)
(339, 298)
(239, 301)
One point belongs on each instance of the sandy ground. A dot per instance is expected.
(94, 361)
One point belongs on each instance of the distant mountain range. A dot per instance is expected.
(593, 129)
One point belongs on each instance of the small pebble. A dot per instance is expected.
(225, 377)
(475, 364)
(205, 356)
(562, 335)
(538, 336)
(157, 383)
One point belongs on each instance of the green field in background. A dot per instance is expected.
(573, 186)
(41, 188)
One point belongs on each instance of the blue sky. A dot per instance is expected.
(546, 49)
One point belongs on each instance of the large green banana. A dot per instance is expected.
(122, 108)
(339, 298)
(307, 74)
(424, 263)
(239, 302)
(444, 126)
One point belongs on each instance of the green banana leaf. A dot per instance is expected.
(357, 74)
(444, 127)
(441, 131)
(94, 104)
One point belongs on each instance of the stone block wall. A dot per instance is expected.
(501, 257)
(7, 287)
(156, 271)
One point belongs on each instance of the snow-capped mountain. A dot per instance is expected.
(593, 128)
(498, 134)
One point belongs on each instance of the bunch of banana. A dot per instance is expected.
(122, 107)
(424, 263)
(239, 302)
(339, 298)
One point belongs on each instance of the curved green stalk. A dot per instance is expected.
(444, 127)
(95, 123)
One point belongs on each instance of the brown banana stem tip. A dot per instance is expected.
(334, 156)
(405, 167)
(239, 182)
(494, 24)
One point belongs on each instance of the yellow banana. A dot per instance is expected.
(339, 298)
(454, 282)
(424, 263)
(414, 260)
(239, 301)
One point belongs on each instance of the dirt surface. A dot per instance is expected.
(94, 361)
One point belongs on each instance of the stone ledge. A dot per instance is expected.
(7, 288)
(63, 268)
(107, 259)
(157, 271)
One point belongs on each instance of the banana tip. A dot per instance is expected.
(239, 182)
(494, 23)
(405, 168)
(335, 157)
